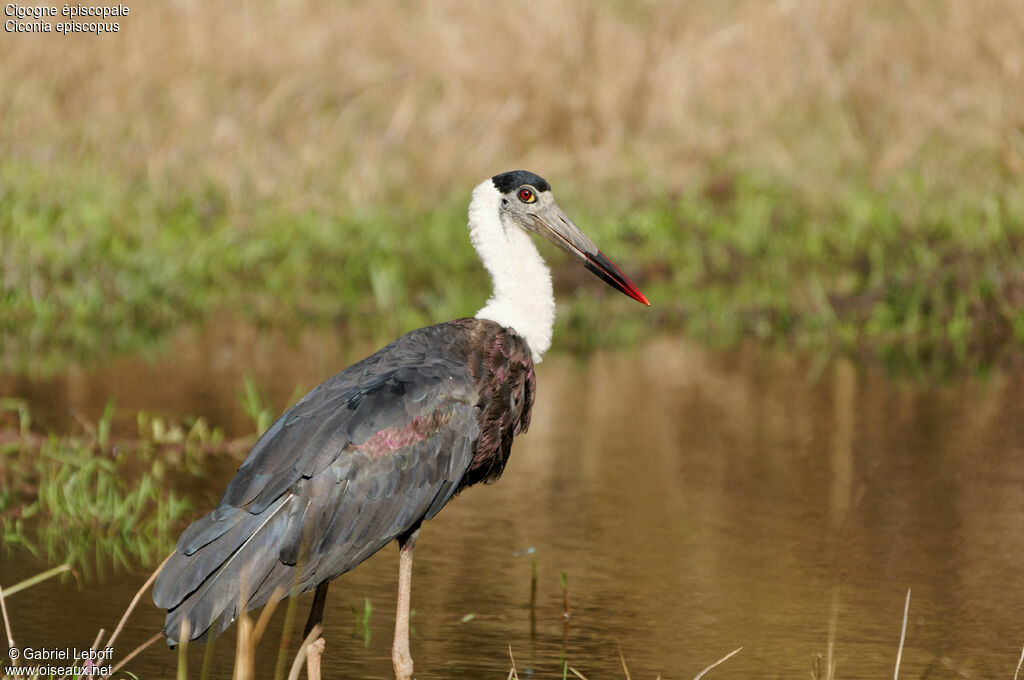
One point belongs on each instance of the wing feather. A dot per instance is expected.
(358, 461)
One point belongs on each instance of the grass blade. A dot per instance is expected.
(134, 602)
(135, 652)
(33, 580)
(301, 655)
(719, 662)
(903, 636)
(183, 639)
(7, 621)
(623, 660)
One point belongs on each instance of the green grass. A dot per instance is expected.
(845, 178)
(94, 500)
(95, 266)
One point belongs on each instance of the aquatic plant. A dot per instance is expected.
(92, 499)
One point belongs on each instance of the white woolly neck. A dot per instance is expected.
(523, 297)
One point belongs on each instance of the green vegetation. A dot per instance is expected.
(731, 257)
(94, 500)
(844, 177)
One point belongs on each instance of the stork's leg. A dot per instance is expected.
(316, 612)
(316, 617)
(400, 655)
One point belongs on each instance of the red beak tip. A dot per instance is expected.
(620, 282)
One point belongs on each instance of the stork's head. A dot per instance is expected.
(505, 210)
(527, 202)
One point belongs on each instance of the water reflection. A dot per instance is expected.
(696, 501)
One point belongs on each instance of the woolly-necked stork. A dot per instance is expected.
(373, 452)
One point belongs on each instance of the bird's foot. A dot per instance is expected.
(403, 664)
(313, 653)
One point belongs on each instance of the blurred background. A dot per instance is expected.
(846, 175)
(208, 212)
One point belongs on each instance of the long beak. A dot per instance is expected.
(555, 226)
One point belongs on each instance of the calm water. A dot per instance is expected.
(697, 502)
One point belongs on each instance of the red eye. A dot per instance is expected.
(526, 196)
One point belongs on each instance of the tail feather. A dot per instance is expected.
(209, 587)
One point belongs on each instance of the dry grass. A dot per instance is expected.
(762, 166)
(358, 101)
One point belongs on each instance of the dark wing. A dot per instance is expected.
(357, 462)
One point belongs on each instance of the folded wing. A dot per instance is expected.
(360, 460)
